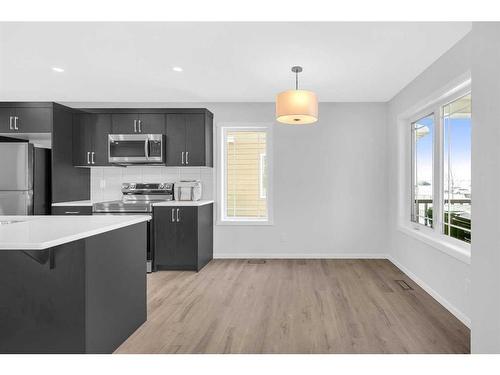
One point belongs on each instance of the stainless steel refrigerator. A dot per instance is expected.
(24, 179)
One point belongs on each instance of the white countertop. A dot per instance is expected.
(75, 203)
(183, 203)
(42, 232)
(159, 204)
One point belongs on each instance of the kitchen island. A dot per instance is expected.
(71, 284)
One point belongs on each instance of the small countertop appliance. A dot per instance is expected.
(187, 190)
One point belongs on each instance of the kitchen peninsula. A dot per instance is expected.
(71, 284)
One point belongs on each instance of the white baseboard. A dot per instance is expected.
(438, 297)
(299, 256)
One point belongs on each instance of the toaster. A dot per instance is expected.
(187, 190)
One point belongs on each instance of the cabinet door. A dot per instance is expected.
(100, 130)
(195, 140)
(164, 235)
(152, 123)
(176, 139)
(34, 120)
(124, 123)
(6, 121)
(186, 236)
(82, 139)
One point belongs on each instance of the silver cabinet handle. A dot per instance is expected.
(173, 218)
(140, 126)
(146, 149)
(88, 157)
(182, 157)
(135, 126)
(10, 123)
(15, 123)
(93, 154)
(178, 218)
(71, 212)
(187, 157)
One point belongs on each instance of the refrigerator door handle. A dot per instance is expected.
(15, 123)
(88, 157)
(10, 122)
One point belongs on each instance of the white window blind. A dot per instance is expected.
(245, 174)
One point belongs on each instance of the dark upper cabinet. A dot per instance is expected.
(26, 120)
(151, 123)
(195, 140)
(101, 129)
(7, 120)
(130, 123)
(183, 237)
(176, 139)
(124, 123)
(189, 139)
(90, 139)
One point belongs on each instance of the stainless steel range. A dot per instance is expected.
(138, 198)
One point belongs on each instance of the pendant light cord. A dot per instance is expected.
(296, 80)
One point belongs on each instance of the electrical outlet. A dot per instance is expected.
(283, 237)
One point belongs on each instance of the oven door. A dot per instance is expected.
(136, 148)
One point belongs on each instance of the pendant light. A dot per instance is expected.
(297, 107)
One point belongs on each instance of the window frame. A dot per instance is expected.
(221, 130)
(413, 121)
(432, 236)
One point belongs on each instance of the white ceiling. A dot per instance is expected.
(222, 61)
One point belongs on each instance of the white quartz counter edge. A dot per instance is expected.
(159, 204)
(182, 203)
(75, 203)
(43, 232)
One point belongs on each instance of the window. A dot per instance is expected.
(244, 177)
(440, 187)
(422, 187)
(457, 168)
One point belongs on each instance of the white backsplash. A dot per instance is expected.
(106, 181)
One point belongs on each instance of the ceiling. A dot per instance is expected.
(235, 62)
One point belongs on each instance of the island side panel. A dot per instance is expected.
(115, 287)
(205, 235)
(42, 309)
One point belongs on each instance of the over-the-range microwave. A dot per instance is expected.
(136, 148)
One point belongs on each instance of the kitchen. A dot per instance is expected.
(197, 188)
(179, 225)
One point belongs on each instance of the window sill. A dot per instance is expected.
(245, 222)
(457, 251)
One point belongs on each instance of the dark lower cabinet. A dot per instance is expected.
(183, 237)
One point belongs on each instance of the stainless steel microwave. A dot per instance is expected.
(136, 148)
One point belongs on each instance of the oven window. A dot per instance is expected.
(129, 149)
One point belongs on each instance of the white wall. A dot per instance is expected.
(445, 277)
(330, 183)
(486, 185)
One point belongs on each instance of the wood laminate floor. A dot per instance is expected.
(294, 306)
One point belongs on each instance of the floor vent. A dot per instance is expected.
(256, 261)
(403, 285)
